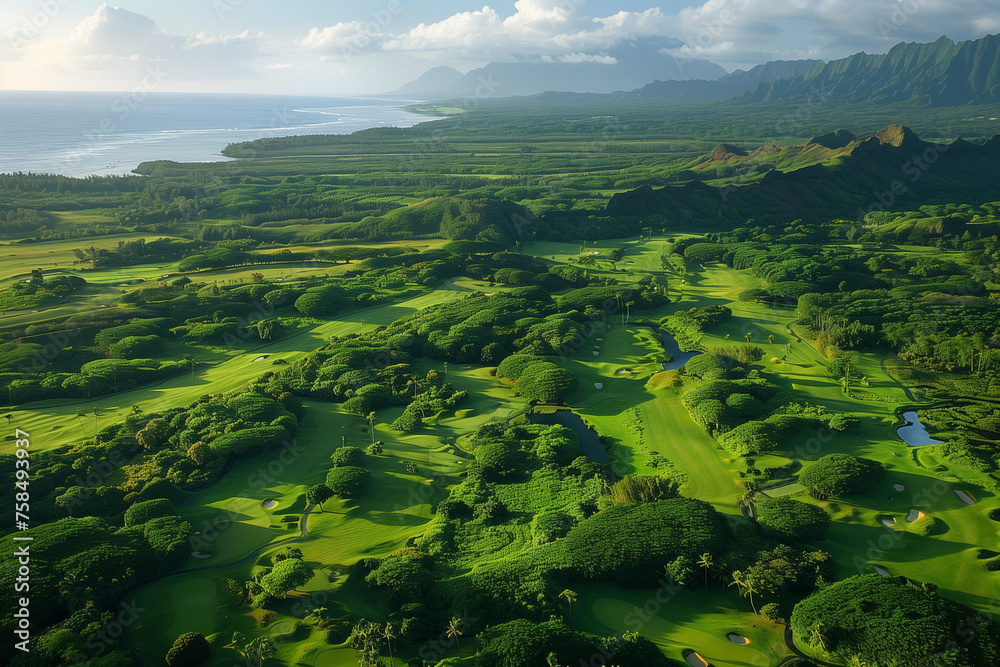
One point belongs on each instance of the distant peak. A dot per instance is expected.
(897, 135)
(724, 150)
(833, 140)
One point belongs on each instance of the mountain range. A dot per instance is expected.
(836, 175)
(625, 68)
(940, 73)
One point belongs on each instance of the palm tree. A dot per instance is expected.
(748, 336)
(746, 587)
(387, 633)
(770, 339)
(727, 336)
(816, 638)
(454, 632)
(371, 425)
(9, 417)
(705, 562)
(570, 597)
(79, 418)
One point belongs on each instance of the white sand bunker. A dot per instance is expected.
(596, 353)
(696, 660)
(888, 521)
(737, 639)
(915, 515)
(262, 357)
(899, 487)
(881, 570)
(270, 504)
(199, 554)
(965, 497)
(598, 385)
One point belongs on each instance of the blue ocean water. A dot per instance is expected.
(79, 134)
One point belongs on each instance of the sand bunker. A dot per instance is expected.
(737, 639)
(270, 504)
(598, 385)
(915, 515)
(198, 554)
(696, 660)
(965, 497)
(899, 487)
(888, 521)
(881, 570)
(262, 357)
(596, 353)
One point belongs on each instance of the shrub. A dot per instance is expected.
(191, 648)
(348, 481)
(836, 475)
(636, 489)
(348, 456)
(545, 381)
(791, 520)
(772, 612)
(143, 511)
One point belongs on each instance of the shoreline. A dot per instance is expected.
(174, 140)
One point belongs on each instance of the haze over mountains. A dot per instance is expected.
(625, 68)
(940, 73)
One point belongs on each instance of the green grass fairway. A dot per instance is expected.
(194, 600)
(677, 620)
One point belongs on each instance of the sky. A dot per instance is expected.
(341, 47)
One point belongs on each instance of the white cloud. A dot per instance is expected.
(588, 58)
(119, 47)
(732, 32)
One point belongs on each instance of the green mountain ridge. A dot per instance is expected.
(941, 73)
(891, 170)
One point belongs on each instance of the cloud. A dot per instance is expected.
(116, 44)
(536, 28)
(733, 32)
(588, 58)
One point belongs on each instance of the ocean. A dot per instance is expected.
(81, 134)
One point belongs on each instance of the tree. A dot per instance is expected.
(79, 418)
(389, 636)
(319, 494)
(375, 449)
(792, 520)
(371, 425)
(191, 648)
(286, 575)
(816, 638)
(570, 597)
(347, 481)
(705, 562)
(454, 631)
(258, 650)
(770, 339)
(745, 586)
(837, 475)
(9, 417)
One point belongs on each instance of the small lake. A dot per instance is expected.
(914, 433)
(590, 444)
(671, 347)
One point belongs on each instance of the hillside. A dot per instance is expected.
(892, 170)
(941, 73)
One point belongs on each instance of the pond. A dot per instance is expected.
(914, 433)
(590, 444)
(672, 349)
